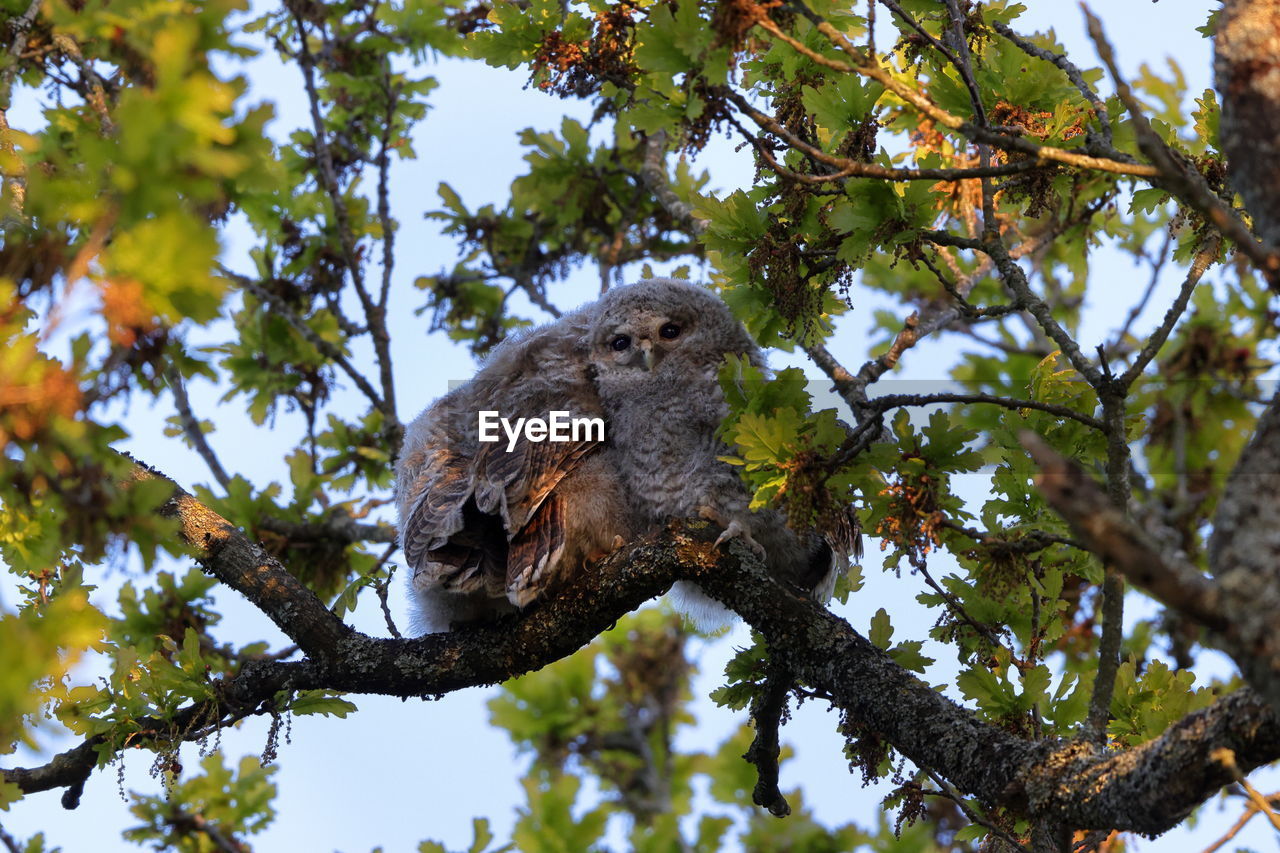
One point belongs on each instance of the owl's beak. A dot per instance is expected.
(646, 352)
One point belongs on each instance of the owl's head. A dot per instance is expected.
(656, 325)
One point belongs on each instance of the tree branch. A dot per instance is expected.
(868, 68)
(1250, 810)
(653, 173)
(1185, 183)
(239, 696)
(191, 426)
(18, 28)
(375, 314)
(1227, 759)
(891, 401)
(325, 348)
(384, 176)
(1108, 532)
(949, 793)
(1204, 257)
(228, 555)
(768, 712)
(1243, 549)
(1077, 79)
(1148, 789)
(1016, 280)
(847, 168)
(1244, 69)
(10, 843)
(192, 824)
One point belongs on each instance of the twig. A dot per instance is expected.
(1036, 540)
(957, 608)
(1112, 394)
(1008, 349)
(384, 173)
(1250, 810)
(1157, 266)
(846, 384)
(916, 327)
(869, 430)
(96, 94)
(10, 843)
(337, 526)
(768, 711)
(324, 159)
(18, 26)
(185, 821)
(1098, 717)
(1227, 758)
(962, 61)
(1092, 841)
(847, 168)
(971, 312)
(653, 172)
(871, 29)
(1016, 280)
(918, 100)
(79, 268)
(890, 401)
(375, 315)
(947, 792)
(961, 64)
(312, 337)
(381, 588)
(1199, 264)
(538, 298)
(191, 426)
(921, 324)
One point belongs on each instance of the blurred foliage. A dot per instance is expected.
(612, 713)
(142, 155)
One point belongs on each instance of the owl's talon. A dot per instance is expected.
(736, 529)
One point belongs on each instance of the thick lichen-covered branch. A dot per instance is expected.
(979, 759)
(1114, 537)
(227, 554)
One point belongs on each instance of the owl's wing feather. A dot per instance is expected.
(443, 485)
(514, 484)
(519, 487)
(843, 532)
(491, 519)
(444, 535)
(535, 552)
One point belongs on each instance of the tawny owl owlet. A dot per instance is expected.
(486, 526)
(656, 347)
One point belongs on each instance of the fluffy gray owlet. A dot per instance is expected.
(657, 346)
(485, 530)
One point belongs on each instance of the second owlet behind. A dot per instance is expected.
(486, 531)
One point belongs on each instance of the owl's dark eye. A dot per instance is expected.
(620, 343)
(669, 331)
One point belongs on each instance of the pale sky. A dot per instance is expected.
(398, 771)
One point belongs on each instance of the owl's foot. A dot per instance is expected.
(733, 529)
(601, 553)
